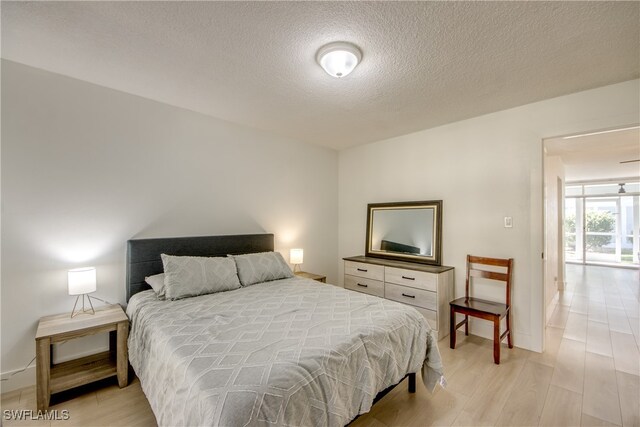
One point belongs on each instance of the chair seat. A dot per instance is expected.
(481, 305)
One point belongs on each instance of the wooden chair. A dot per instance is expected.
(483, 309)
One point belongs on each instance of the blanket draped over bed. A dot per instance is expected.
(290, 352)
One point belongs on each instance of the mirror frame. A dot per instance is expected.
(435, 259)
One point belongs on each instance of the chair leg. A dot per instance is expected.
(496, 340)
(412, 382)
(509, 329)
(452, 328)
(466, 325)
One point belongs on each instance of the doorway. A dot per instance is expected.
(591, 203)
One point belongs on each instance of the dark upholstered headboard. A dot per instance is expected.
(143, 255)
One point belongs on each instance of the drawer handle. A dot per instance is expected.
(363, 269)
(408, 278)
(408, 296)
(360, 284)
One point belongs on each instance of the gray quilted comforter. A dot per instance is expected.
(291, 352)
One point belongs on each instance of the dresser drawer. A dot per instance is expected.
(364, 285)
(428, 290)
(360, 269)
(411, 278)
(412, 296)
(430, 315)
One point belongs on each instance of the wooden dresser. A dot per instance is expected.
(426, 288)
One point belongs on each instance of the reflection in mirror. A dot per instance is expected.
(406, 231)
(403, 230)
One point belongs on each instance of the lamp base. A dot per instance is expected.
(84, 310)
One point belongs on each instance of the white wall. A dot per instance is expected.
(483, 169)
(85, 168)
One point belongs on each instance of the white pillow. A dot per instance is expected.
(261, 267)
(157, 283)
(187, 276)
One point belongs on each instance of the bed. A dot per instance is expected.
(284, 352)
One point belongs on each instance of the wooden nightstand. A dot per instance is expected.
(311, 276)
(52, 378)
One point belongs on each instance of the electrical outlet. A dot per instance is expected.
(508, 222)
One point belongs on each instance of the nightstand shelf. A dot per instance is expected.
(81, 371)
(52, 378)
(312, 276)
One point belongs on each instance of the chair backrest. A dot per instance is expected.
(472, 271)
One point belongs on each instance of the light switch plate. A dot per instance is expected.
(508, 222)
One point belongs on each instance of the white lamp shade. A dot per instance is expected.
(82, 280)
(296, 256)
(339, 59)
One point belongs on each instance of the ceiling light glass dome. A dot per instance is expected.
(339, 59)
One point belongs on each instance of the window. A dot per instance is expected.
(602, 225)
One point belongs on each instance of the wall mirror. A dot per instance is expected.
(405, 231)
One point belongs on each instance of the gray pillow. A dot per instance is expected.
(261, 267)
(187, 276)
(157, 284)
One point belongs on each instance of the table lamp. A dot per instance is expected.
(295, 257)
(82, 281)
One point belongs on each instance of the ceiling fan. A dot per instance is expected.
(630, 161)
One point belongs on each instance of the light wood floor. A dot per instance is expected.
(589, 374)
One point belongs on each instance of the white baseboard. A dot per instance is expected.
(484, 329)
(551, 307)
(28, 377)
(20, 380)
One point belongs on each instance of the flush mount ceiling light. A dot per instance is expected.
(339, 59)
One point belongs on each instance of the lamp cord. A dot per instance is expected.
(34, 357)
(21, 370)
(102, 300)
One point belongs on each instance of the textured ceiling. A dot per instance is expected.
(598, 157)
(424, 63)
